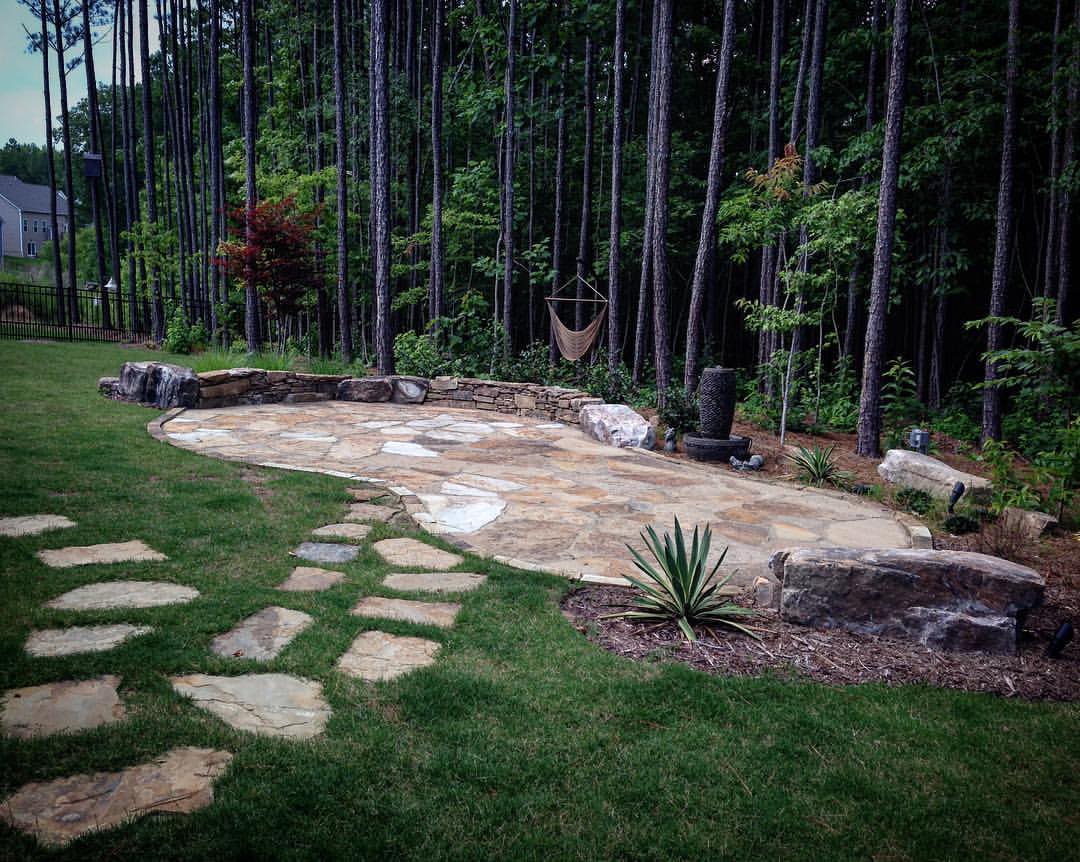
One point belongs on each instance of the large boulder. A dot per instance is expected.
(366, 389)
(617, 425)
(943, 599)
(409, 390)
(914, 470)
(158, 384)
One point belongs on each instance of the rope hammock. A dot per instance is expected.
(575, 343)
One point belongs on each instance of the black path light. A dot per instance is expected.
(1061, 640)
(954, 498)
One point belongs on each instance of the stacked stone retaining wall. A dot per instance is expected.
(254, 386)
(518, 399)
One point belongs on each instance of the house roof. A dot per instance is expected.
(29, 197)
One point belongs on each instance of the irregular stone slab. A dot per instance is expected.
(31, 525)
(617, 425)
(308, 579)
(410, 450)
(263, 635)
(377, 656)
(60, 707)
(409, 553)
(463, 514)
(80, 639)
(353, 532)
(434, 582)
(915, 470)
(1029, 524)
(123, 594)
(370, 512)
(108, 552)
(56, 812)
(950, 599)
(326, 552)
(440, 614)
(366, 495)
(367, 389)
(268, 704)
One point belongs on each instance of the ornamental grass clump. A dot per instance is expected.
(679, 587)
(818, 466)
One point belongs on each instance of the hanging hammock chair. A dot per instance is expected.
(575, 343)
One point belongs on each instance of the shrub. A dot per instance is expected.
(679, 588)
(958, 524)
(915, 500)
(681, 410)
(415, 354)
(818, 466)
(182, 337)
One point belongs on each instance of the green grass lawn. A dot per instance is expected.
(523, 741)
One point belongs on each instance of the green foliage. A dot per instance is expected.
(818, 466)
(960, 523)
(915, 500)
(679, 588)
(680, 410)
(416, 354)
(900, 404)
(1009, 489)
(183, 337)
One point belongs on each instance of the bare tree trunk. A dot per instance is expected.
(94, 183)
(436, 300)
(251, 296)
(615, 234)
(706, 251)
(1050, 276)
(380, 183)
(157, 310)
(868, 443)
(645, 284)
(508, 186)
(322, 301)
(584, 253)
(112, 192)
(800, 78)
(50, 150)
(560, 194)
(217, 201)
(661, 179)
(1064, 267)
(69, 183)
(340, 148)
(768, 253)
(991, 412)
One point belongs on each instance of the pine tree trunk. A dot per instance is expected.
(251, 296)
(157, 310)
(508, 186)
(436, 300)
(661, 180)
(800, 78)
(706, 251)
(1064, 267)
(217, 198)
(560, 195)
(112, 192)
(868, 442)
(50, 150)
(645, 283)
(341, 152)
(615, 234)
(94, 183)
(380, 183)
(1050, 275)
(322, 300)
(69, 183)
(584, 253)
(991, 412)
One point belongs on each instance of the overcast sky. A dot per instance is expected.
(22, 101)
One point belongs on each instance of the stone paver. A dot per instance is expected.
(440, 614)
(409, 553)
(326, 552)
(60, 707)
(108, 552)
(433, 582)
(263, 635)
(56, 812)
(370, 512)
(268, 704)
(123, 594)
(80, 639)
(31, 525)
(352, 532)
(558, 500)
(309, 579)
(376, 656)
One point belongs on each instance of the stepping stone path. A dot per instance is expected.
(309, 579)
(433, 582)
(376, 656)
(80, 639)
(366, 495)
(109, 552)
(31, 525)
(123, 594)
(262, 635)
(56, 812)
(59, 707)
(352, 532)
(326, 552)
(370, 512)
(440, 614)
(268, 704)
(409, 553)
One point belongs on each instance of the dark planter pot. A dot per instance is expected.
(717, 399)
(707, 449)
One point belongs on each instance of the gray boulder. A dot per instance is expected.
(1031, 525)
(366, 389)
(409, 390)
(617, 425)
(158, 384)
(914, 470)
(943, 599)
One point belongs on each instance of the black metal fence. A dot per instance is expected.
(35, 311)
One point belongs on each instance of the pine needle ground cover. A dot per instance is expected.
(522, 741)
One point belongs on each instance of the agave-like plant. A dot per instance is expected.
(679, 587)
(817, 466)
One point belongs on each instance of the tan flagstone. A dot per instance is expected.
(32, 525)
(370, 512)
(263, 635)
(109, 552)
(80, 639)
(123, 594)
(354, 532)
(60, 707)
(434, 582)
(310, 579)
(377, 656)
(267, 704)
(409, 553)
(440, 614)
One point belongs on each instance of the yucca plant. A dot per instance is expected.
(817, 467)
(679, 588)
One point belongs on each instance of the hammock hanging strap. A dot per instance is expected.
(573, 343)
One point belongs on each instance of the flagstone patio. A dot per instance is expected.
(540, 495)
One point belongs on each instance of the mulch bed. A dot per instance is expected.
(842, 658)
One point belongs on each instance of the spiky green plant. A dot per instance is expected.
(817, 466)
(679, 587)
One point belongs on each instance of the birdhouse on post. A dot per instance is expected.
(91, 165)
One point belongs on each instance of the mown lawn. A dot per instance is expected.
(523, 741)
